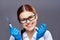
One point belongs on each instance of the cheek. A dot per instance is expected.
(24, 25)
(34, 23)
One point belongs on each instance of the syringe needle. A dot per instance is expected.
(7, 19)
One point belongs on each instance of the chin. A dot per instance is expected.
(29, 29)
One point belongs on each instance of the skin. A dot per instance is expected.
(29, 25)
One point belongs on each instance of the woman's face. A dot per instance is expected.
(28, 20)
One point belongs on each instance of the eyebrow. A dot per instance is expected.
(26, 18)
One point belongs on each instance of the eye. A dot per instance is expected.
(23, 19)
(31, 17)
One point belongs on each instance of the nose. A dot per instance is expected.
(27, 21)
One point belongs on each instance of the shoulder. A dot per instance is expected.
(48, 35)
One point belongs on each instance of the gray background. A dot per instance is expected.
(48, 12)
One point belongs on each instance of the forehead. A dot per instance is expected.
(26, 14)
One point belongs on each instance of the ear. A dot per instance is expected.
(36, 17)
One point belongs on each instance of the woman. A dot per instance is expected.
(27, 16)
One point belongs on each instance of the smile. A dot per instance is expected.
(30, 25)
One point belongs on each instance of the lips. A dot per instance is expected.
(29, 24)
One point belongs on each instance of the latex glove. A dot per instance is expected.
(41, 30)
(15, 33)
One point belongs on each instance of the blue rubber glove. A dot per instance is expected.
(15, 33)
(41, 30)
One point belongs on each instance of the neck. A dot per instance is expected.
(30, 33)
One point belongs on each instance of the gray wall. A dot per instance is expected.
(48, 11)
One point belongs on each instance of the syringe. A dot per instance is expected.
(7, 19)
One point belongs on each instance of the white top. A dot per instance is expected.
(47, 36)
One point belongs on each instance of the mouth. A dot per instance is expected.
(30, 25)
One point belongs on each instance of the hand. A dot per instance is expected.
(41, 30)
(16, 33)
